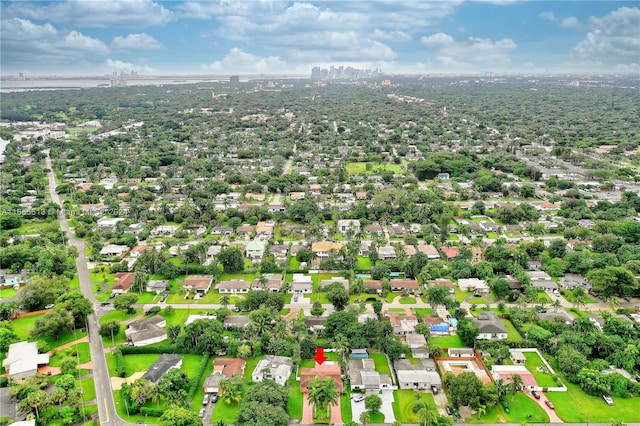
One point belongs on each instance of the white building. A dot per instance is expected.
(271, 367)
(23, 359)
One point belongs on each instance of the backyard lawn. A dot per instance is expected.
(519, 412)
(363, 263)
(446, 342)
(380, 361)
(543, 378)
(513, 333)
(7, 292)
(294, 403)
(139, 362)
(574, 405)
(421, 312)
(403, 402)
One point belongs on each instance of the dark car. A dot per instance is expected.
(214, 397)
(105, 303)
(535, 394)
(449, 410)
(550, 404)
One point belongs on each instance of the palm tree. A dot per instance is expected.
(423, 410)
(280, 329)
(224, 300)
(516, 386)
(230, 391)
(156, 395)
(556, 305)
(615, 422)
(341, 345)
(314, 393)
(482, 410)
(365, 416)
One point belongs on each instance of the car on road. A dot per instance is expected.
(201, 413)
(607, 399)
(535, 394)
(358, 398)
(550, 404)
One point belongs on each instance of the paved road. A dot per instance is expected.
(104, 395)
(285, 170)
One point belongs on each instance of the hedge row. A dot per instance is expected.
(151, 412)
(121, 368)
(164, 349)
(193, 388)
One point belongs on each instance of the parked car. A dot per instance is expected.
(550, 404)
(358, 398)
(607, 399)
(535, 394)
(434, 389)
(205, 400)
(49, 306)
(214, 398)
(449, 410)
(201, 413)
(105, 303)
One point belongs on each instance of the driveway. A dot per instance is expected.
(441, 401)
(553, 417)
(387, 399)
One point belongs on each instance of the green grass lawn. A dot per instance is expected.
(139, 362)
(376, 417)
(569, 296)
(513, 333)
(119, 316)
(533, 361)
(294, 403)
(190, 364)
(407, 300)
(82, 354)
(420, 312)
(23, 326)
(225, 412)
(403, 402)
(331, 356)
(88, 389)
(574, 405)
(392, 295)
(361, 168)
(380, 360)
(461, 295)
(363, 263)
(7, 292)
(446, 342)
(477, 301)
(519, 412)
(293, 263)
(345, 406)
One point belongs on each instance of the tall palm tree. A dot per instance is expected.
(230, 392)
(156, 395)
(331, 395)
(341, 345)
(365, 416)
(224, 300)
(314, 393)
(556, 304)
(280, 329)
(516, 386)
(423, 410)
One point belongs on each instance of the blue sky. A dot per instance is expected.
(249, 36)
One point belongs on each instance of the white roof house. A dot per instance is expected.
(271, 367)
(23, 359)
(473, 284)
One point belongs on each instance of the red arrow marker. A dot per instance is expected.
(320, 358)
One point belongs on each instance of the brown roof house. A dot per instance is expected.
(122, 282)
(403, 324)
(233, 286)
(410, 286)
(223, 368)
(200, 284)
(324, 370)
(147, 332)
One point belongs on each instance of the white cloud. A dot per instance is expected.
(238, 61)
(570, 22)
(548, 16)
(96, 14)
(614, 36)
(391, 35)
(470, 53)
(140, 41)
(26, 43)
(117, 65)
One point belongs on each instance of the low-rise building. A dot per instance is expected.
(200, 284)
(363, 375)
(147, 332)
(324, 370)
(223, 368)
(271, 367)
(491, 328)
(114, 250)
(23, 359)
(403, 324)
(233, 286)
(419, 376)
(122, 282)
(165, 363)
(302, 284)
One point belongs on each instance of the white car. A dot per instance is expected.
(607, 399)
(358, 398)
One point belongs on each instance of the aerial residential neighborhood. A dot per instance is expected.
(260, 260)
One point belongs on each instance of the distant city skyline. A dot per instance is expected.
(80, 37)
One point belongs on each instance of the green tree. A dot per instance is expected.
(338, 296)
(232, 260)
(438, 295)
(468, 331)
(316, 309)
(423, 410)
(109, 328)
(178, 416)
(377, 307)
(53, 323)
(372, 403)
(77, 303)
(124, 302)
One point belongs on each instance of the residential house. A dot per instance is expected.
(340, 280)
(23, 359)
(409, 250)
(365, 248)
(315, 324)
(265, 229)
(114, 250)
(12, 280)
(386, 253)
(397, 230)
(542, 281)
(273, 283)
(517, 356)
(363, 376)
(165, 363)
(164, 230)
(138, 250)
(476, 254)
(419, 376)
(322, 249)
(271, 367)
(280, 251)
(409, 286)
(135, 228)
(147, 332)
(373, 286)
(255, 250)
(225, 231)
(233, 286)
(236, 321)
(302, 284)
(491, 327)
(93, 209)
(450, 252)
(157, 286)
(430, 250)
(442, 281)
(213, 251)
(109, 223)
(374, 228)
(245, 230)
(474, 285)
(345, 225)
(122, 282)
(324, 370)
(223, 368)
(403, 324)
(200, 284)
(417, 345)
(461, 353)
